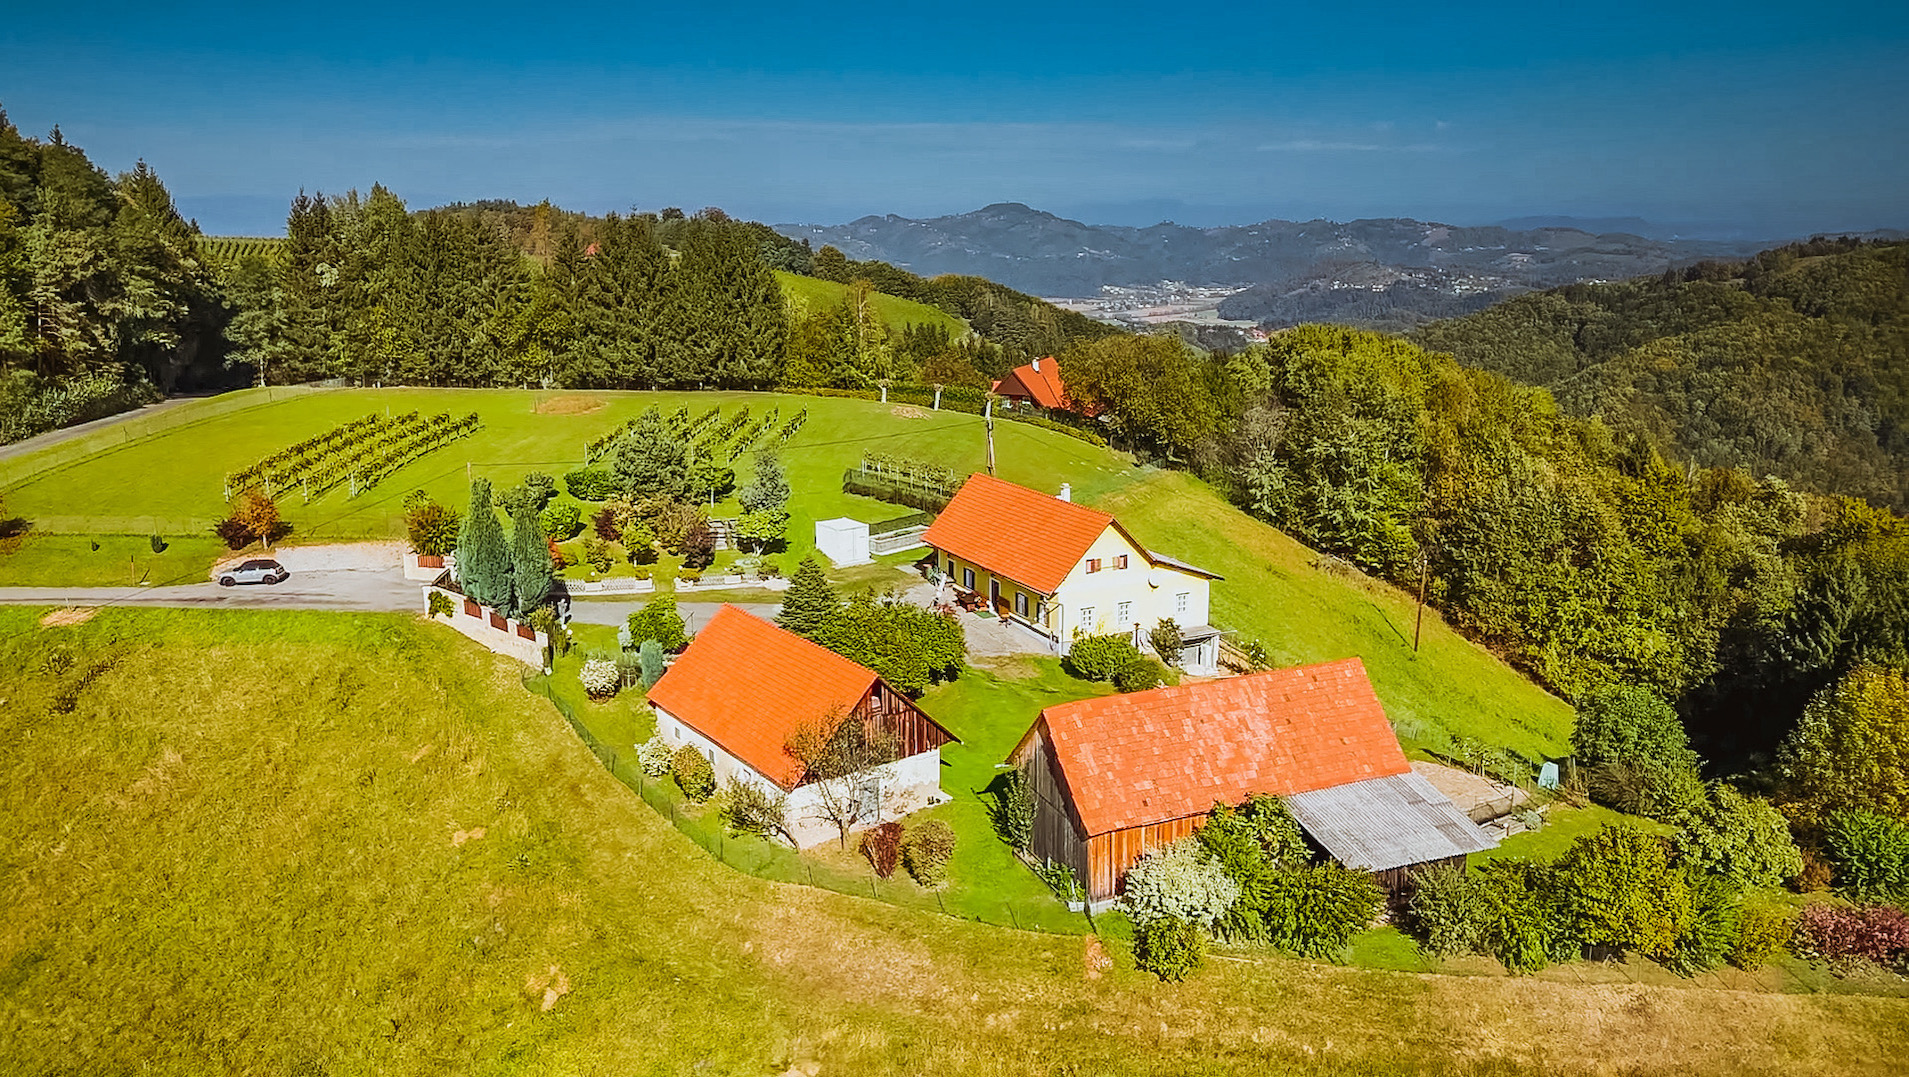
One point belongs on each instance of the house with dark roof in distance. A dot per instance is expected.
(744, 687)
(1064, 570)
(1116, 777)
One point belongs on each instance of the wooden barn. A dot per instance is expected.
(1121, 775)
(745, 686)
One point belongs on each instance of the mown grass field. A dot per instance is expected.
(248, 842)
(811, 295)
(1272, 592)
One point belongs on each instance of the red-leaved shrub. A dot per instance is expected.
(1878, 933)
(882, 846)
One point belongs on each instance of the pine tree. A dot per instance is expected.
(531, 576)
(769, 489)
(483, 561)
(810, 603)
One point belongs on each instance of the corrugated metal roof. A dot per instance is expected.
(1389, 822)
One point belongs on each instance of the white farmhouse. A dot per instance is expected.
(1065, 571)
(745, 686)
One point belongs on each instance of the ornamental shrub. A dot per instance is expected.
(1744, 839)
(1013, 810)
(639, 542)
(1840, 933)
(693, 773)
(649, 658)
(233, 532)
(1449, 910)
(1763, 931)
(430, 527)
(1712, 930)
(1850, 750)
(1315, 911)
(1618, 890)
(1166, 641)
(1140, 675)
(1168, 947)
(600, 677)
(591, 484)
(881, 847)
(1100, 658)
(597, 554)
(699, 544)
(1870, 855)
(1181, 881)
(748, 808)
(562, 520)
(654, 756)
(658, 620)
(926, 852)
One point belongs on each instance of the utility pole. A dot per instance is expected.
(1424, 569)
(989, 414)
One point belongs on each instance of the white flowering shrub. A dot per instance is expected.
(600, 678)
(1180, 881)
(653, 755)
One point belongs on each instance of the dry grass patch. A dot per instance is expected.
(67, 616)
(570, 404)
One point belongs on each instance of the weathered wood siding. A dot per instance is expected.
(1057, 834)
(1109, 855)
(898, 714)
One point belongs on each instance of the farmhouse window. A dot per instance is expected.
(1124, 613)
(1020, 603)
(1087, 618)
(1093, 564)
(967, 579)
(1179, 602)
(1120, 561)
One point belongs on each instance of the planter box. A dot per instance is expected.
(430, 560)
(499, 622)
(526, 631)
(472, 609)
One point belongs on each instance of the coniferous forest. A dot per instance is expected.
(1682, 484)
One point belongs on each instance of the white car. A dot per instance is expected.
(261, 570)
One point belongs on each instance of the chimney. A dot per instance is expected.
(1036, 365)
(1067, 492)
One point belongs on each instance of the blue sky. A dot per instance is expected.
(1779, 119)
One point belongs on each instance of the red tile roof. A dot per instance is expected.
(1029, 537)
(1039, 381)
(747, 685)
(1173, 752)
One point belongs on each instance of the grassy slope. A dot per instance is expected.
(1451, 688)
(209, 871)
(809, 295)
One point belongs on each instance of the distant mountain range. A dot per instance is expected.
(1390, 273)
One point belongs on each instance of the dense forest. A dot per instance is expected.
(1579, 552)
(1794, 363)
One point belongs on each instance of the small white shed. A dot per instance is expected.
(843, 541)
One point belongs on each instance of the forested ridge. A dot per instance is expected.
(1794, 363)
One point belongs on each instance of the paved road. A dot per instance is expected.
(68, 433)
(355, 590)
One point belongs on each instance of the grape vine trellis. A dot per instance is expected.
(358, 454)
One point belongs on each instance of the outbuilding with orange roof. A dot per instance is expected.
(744, 687)
(1118, 776)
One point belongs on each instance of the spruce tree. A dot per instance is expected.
(769, 489)
(809, 605)
(531, 575)
(483, 561)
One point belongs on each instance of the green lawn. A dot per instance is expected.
(1562, 826)
(256, 842)
(42, 560)
(810, 295)
(1452, 688)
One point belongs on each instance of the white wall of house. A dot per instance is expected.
(1110, 600)
(906, 786)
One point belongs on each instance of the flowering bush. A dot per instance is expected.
(653, 756)
(1181, 881)
(882, 846)
(600, 678)
(1838, 933)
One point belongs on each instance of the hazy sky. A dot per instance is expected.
(1782, 118)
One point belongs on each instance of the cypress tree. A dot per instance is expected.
(483, 561)
(530, 563)
(810, 603)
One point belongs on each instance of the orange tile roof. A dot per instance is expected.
(1040, 381)
(1029, 537)
(1173, 752)
(747, 685)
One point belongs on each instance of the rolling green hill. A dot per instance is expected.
(1452, 689)
(1794, 363)
(379, 855)
(810, 294)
